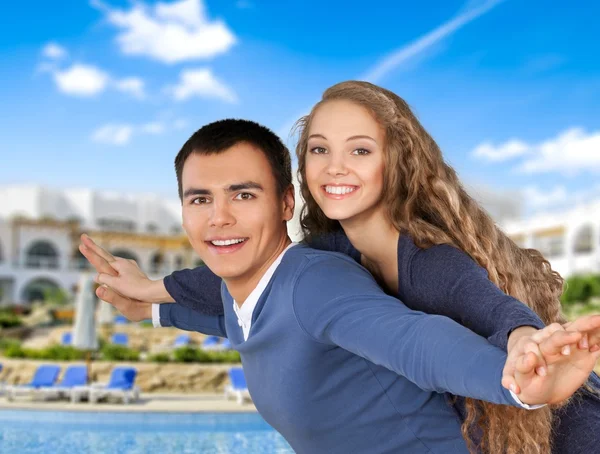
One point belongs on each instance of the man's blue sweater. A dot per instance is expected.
(337, 366)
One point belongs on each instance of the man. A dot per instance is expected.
(331, 362)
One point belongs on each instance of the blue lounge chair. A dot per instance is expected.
(67, 338)
(74, 376)
(238, 386)
(121, 384)
(210, 343)
(183, 340)
(226, 344)
(120, 339)
(120, 320)
(45, 375)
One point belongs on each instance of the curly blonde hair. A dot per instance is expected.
(424, 198)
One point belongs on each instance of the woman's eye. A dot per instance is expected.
(361, 151)
(244, 196)
(318, 150)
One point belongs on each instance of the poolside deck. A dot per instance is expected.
(148, 402)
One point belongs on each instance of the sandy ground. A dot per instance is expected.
(148, 402)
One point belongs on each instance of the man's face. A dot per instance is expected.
(232, 212)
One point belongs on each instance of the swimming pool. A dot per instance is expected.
(28, 432)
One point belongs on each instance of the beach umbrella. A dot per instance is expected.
(85, 336)
(105, 313)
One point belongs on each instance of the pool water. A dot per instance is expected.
(23, 431)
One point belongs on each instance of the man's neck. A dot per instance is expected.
(241, 287)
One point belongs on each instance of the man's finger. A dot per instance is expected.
(100, 264)
(106, 279)
(111, 297)
(89, 243)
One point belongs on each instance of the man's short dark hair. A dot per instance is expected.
(221, 135)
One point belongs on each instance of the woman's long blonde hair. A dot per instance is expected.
(424, 198)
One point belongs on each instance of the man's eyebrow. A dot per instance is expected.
(195, 191)
(245, 185)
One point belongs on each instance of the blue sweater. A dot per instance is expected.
(337, 366)
(439, 280)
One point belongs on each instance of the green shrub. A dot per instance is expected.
(14, 351)
(196, 355)
(61, 353)
(186, 355)
(9, 320)
(159, 358)
(6, 342)
(580, 289)
(54, 352)
(112, 352)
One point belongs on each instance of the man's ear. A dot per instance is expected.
(289, 202)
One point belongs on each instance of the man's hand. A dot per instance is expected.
(123, 275)
(134, 310)
(554, 362)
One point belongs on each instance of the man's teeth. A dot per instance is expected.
(339, 189)
(226, 242)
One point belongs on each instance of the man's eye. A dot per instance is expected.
(318, 150)
(244, 196)
(199, 201)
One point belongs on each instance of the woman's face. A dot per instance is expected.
(345, 161)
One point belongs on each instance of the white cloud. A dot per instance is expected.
(539, 199)
(169, 32)
(122, 134)
(81, 80)
(131, 85)
(54, 51)
(180, 123)
(154, 128)
(113, 134)
(87, 80)
(570, 153)
(503, 152)
(201, 83)
(424, 42)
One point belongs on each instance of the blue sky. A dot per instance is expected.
(103, 94)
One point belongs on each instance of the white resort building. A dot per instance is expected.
(570, 240)
(40, 229)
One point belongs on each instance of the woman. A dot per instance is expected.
(372, 177)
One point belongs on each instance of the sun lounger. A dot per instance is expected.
(121, 385)
(45, 375)
(74, 376)
(238, 386)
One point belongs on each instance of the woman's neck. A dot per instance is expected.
(377, 240)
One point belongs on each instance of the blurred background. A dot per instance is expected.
(97, 97)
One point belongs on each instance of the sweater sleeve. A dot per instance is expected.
(444, 280)
(338, 303)
(198, 289)
(190, 320)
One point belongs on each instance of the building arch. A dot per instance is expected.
(42, 254)
(35, 289)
